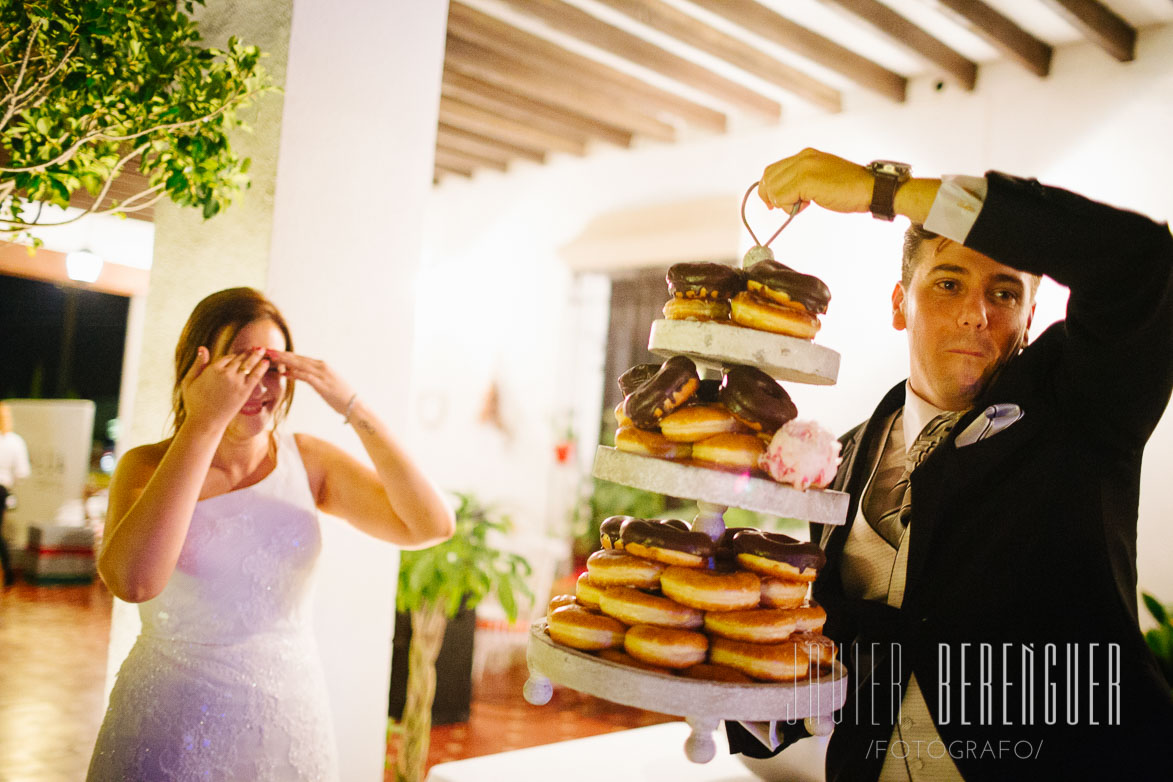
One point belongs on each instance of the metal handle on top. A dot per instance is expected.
(794, 210)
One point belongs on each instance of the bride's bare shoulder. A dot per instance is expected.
(142, 459)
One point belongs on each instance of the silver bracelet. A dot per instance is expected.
(349, 408)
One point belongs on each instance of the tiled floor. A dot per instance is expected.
(53, 643)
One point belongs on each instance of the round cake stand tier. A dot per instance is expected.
(704, 704)
(718, 487)
(720, 344)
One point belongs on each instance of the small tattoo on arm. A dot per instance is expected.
(365, 426)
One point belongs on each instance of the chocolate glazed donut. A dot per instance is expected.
(805, 289)
(643, 537)
(674, 383)
(609, 531)
(779, 548)
(724, 554)
(636, 377)
(711, 281)
(756, 399)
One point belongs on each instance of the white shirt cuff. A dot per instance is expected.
(956, 207)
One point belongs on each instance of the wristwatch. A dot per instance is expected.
(888, 176)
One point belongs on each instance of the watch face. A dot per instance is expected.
(890, 167)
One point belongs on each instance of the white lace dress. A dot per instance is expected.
(224, 683)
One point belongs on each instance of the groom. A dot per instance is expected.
(986, 600)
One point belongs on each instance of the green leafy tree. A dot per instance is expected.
(434, 584)
(89, 88)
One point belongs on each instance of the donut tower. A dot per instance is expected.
(694, 619)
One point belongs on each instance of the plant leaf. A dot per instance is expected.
(1155, 608)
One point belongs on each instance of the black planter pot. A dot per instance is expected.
(453, 669)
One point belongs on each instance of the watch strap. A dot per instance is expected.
(887, 176)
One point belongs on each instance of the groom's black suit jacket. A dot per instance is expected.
(1028, 537)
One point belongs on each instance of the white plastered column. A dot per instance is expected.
(353, 180)
(331, 231)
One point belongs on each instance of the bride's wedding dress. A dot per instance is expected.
(224, 682)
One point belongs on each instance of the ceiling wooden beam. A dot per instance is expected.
(461, 115)
(539, 83)
(1003, 34)
(457, 161)
(129, 182)
(439, 172)
(471, 25)
(514, 106)
(772, 26)
(956, 67)
(692, 31)
(574, 21)
(1100, 25)
(476, 144)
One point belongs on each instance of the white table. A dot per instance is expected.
(651, 754)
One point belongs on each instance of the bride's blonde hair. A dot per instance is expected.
(214, 323)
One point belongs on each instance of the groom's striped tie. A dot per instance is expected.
(897, 507)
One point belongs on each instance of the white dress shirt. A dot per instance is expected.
(14, 459)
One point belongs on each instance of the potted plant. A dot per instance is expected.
(434, 585)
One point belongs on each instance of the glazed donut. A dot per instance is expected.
(760, 625)
(819, 648)
(811, 617)
(711, 590)
(668, 389)
(781, 662)
(778, 283)
(773, 554)
(587, 592)
(636, 377)
(645, 443)
(715, 673)
(579, 628)
(697, 309)
(557, 601)
(783, 592)
(617, 568)
(737, 451)
(665, 646)
(609, 531)
(666, 543)
(633, 607)
(691, 423)
(623, 658)
(748, 310)
(713, 281)
(756, 399)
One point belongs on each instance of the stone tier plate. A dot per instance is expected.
(703, 703)
(720, 344)
(719, 487)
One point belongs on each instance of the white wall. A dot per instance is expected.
(493, 299)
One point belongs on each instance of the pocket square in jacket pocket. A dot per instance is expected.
(992, 420)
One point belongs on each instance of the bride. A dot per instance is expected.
(214, 533)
